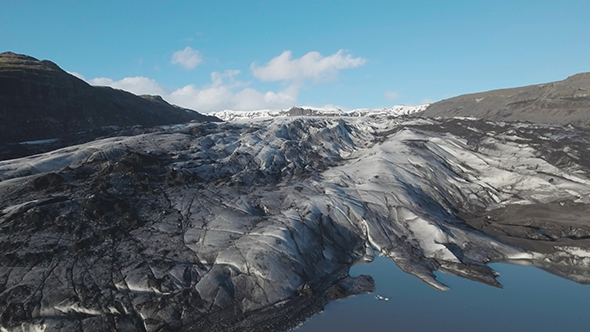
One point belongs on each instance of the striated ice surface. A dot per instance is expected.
(253, 225)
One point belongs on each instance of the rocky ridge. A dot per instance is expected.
(563, 102)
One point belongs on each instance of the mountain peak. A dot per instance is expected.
(12, 61)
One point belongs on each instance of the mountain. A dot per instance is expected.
(563, 102)
(253, 225)
(39, 100)
(397, 110)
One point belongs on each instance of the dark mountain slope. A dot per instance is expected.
(39, 100)
(563, 102)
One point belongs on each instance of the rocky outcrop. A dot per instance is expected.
(300, 111)
(253, 226)
(564, 102)
(38, 100)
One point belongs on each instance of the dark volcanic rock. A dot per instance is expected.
(39, 100)
(563, 102)
(299, 111)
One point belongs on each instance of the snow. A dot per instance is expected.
(398, 110)
(582, 253)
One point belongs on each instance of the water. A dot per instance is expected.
(532, 300)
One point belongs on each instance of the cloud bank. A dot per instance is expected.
(225, 91)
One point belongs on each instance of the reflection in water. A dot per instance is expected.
(579, 274)
(531, 300)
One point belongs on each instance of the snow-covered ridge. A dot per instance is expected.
(397, 110)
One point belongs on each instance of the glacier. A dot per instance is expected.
(253, 224)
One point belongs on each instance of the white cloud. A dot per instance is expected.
(102, 81)
(427, 101)
(187, 58)
(207, 99)
(220, 95)
(310, 66)
(138, 85)
(224, 92)
(391, 95)
(217, 78)
(250, 99)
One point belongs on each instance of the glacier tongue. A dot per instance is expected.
(253, 225)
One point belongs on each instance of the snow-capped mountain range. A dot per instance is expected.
(397, 110)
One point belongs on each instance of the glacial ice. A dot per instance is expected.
(242, 224)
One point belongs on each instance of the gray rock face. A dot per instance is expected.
(253, 226)
(38, 100)
(564, 102)
(298, 111)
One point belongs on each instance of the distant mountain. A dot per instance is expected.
(563, 102)
(397, 110)
(39, 100)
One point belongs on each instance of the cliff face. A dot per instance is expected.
(563, 102)
(39, 100)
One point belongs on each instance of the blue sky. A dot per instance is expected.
(211, 55)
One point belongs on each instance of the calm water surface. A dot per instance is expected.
(532, 300)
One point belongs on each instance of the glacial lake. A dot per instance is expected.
(531, 300)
